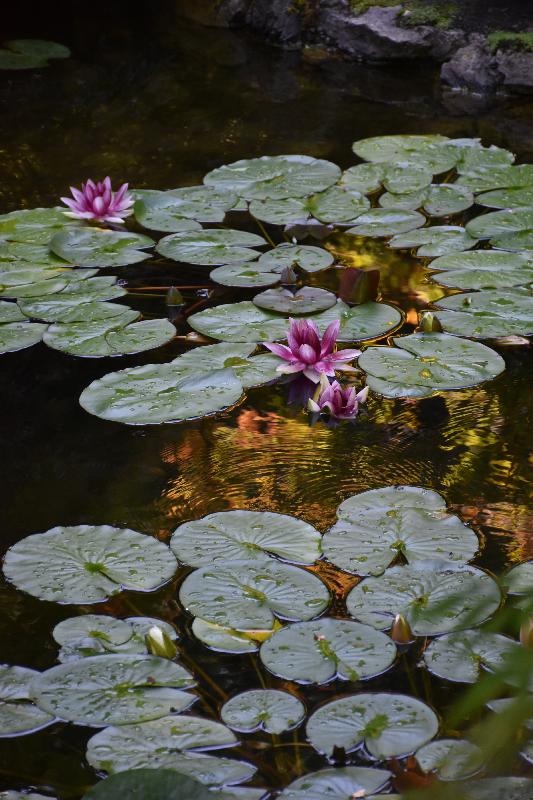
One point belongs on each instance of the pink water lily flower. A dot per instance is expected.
(307, 353)
(340, 403)
(98, 202)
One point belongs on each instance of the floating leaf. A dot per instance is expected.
(335, 205)
(438, 200)
(18, 714)
(462, 657)
(67, 309)
(435, 241)
(34, 225)
(310, 259)
(149, 784)
(87, 563)
(24, 253)
(12, 274)
(175, 209)
(307, 300)
(245, 535)
(364, 178)
(484, 269)
(479, 159)
(391, 498)
(368, 538)
(16, 333)
(398, 148)
(507, 198)
(97, 634)
(246, 595)
(248, 275)
(223, 640)
(38, 48)
(12, 795)
(210, 247)
(434, 597)
(340, 783)
(274, 177)
(251, 371)
(11, 60)
(169, 743)
(263, 709)
(111, 337)
(386, 222)
(498, 177)
(113, 690)
(519, 579)
(497, 224)
(407, 178)
(497, 788)
(390, 725)
(488, 314)
(92, 247)
(423, 363)
(324, 649)
(450, 759)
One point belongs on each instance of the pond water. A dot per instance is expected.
(159, 102)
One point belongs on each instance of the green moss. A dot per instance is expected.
(414, 12)
(507, 40)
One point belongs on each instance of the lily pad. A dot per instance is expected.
(18, 714)
(274, 177)
(12, 795)
(34, 225)
(263, 709)
(488, 314)
(87, 563)
(497, 224)
(397, 148)
(30, 255)
(497, 177)
(386, 222)
(435, 241)
(224, 640)
(111, 337)
(462, 657)
(438, 200)
(307, 300)
(309, 258)
(389, 725)
(248, 595)
(340, 783)
(175, 209)
(149, 784)
(113, 690)
(390, 499)
(479, 159)
(16, 333)
(11, 274)
(171, 743)
(67, 309)
(484, 269)
(450, 759)
(325, 649)
(12, 60)
(424, 363)
(38, 48)
(157, 393)
(519, 579)
(335, 205)
(245, 535)
(520, 197)
(247, 275)
(407, 177)
(497, 788)
(211, 247)
(434, 597)
(250, 371)
(367, 540)
(97, 634)
(92, 247)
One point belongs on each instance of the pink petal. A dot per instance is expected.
(343, 355)
(307, 354)
(280, 350)
(288, 369)
(330, 337)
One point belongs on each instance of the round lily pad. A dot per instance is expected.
(274, 177)
(250, 371)
(519, 579)
(307, 300)
(435, 241)
(396, 148)
(245, 535)
(210, 247)
(407, 177)
(30, 254)
(507, 198)
(158, 393)
(340, 783)
(478, 159)
(488, 314)
(438, 200)
(309, 258)
(19, 335)
(497, 224)
(484, 269)
(263, 709)
(18, 714)
(92, 247)
(97, 634)
(336, 205)
(461, 657)
(386, 222)
(111, 337)
(247, 275)
(149, 784)
(223, 640)
(169, 742)
(389, 725)
(434, 597)
(366, 539)
(34, 225)
(248, 595)
(450, 759)
(322, 650)
(423, 363)
(175, 209)
(391, 498)
(113, 689)
(498, 177)
(364, 178)
(68, 309)
(87, 563)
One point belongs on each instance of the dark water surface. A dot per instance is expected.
(151, 99)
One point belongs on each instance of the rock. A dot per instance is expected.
(279, 20)
(472, 67)
(516, 70)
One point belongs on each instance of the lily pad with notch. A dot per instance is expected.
(497, 225)
(34, 225)
(518, 197)
(69, 309)
(497, 177)
(484, 269)
(437, 240)
(219, 246)
(437, 200)
(113, 337)
(309, 258)
(326, 649)
(519, 579)
(92, 247)
(246, 276)
(114, 690)
(406, 148)
(269, 710)
(364, 178)
(380, 222)
(434, 596)
(19, 715)
(88, 563)
(389, 725)
(463, 657)
(487, 314)
(16, 333)
(149, 784)
(250, 370)
(307, 300)
(340, 783)
(335, 205)
(181, 209)
(450, 759)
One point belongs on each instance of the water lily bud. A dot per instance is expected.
(160, 644)
(400, 631)
(288, 276)
(526, 633)
(174, 297)
(429, 322)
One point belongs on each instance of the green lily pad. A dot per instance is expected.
(245, 535)
(497, 788)
(250, 371)
(113, 690)
(149, 784)
(434, 597)
(424, 363)
(18, 714)
(389, 725)
(386, 222)
(407, 177)
(478, 159)
(10, 312)
(34, 225)
(11, 60)
(519, 579)
(518, 197)
(340, 783)
(29, 254)
(97, 634)
(307, 300)
(497, 177)
(111, 337)
(157, 393)
(438, 200)
(92, 247)
(12, 274)
(247, 275)
(514, 242)
(38, 48)
(335, 205)
(435, 241)
(169, 742)
(69, 309)
(408, 201)
(248, 595)
(16, 333)
(263, 709)
(462, 657)
(450, 759)
(12, 795)
(367, 539)
(397, 148)
(274, 177)
(391, 498)
(488, 314)
(326, 649)
(484, 269)
(87, 563)
(223, 640)
(210, 247)
(309, 258)
(179, 209)
(364, 178)
(497, 224)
